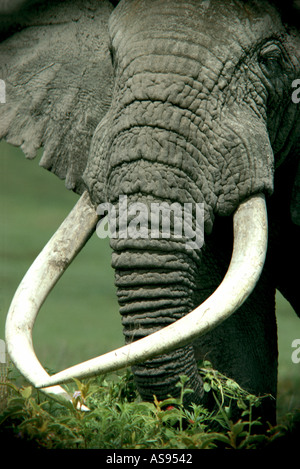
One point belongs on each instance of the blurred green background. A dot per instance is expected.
(80, 318)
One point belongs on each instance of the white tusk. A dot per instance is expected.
(37, 284)
(248, 257)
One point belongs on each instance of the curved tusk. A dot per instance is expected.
(249, 251)
(37, 284)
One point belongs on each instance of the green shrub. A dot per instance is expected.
(119, 419)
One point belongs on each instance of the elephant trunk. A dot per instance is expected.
(156, 271)
(154, 290)
(157, 263)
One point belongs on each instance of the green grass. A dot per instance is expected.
(80, 318)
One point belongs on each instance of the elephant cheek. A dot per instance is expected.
(247, 165)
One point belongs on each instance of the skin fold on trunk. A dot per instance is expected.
(156, 279)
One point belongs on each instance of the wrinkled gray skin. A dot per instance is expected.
(195, 107)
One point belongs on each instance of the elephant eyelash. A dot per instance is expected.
(270, 53)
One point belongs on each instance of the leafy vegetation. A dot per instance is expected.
(119, 419)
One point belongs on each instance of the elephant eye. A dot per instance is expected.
(270, 58)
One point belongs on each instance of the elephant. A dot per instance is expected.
(192, 103)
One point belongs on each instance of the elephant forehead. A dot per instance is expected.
(198, 30)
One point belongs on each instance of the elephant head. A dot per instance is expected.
(172, 105)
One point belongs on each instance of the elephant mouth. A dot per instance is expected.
(248, 256)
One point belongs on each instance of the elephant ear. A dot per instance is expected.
(56, 68)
